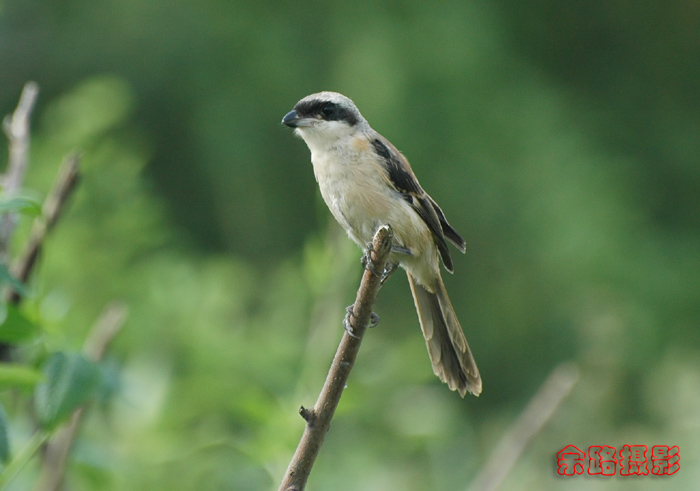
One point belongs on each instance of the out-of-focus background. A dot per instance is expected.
(561, 138)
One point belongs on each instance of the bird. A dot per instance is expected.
(366, 183)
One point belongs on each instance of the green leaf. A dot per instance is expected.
(4, 440)
(16, 327)
(70, 380)
(18, 376)
(110, 381)
(20, 204)
(15, 284)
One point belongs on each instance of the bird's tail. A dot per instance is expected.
(448, 349)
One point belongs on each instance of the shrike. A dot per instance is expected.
(366, 183)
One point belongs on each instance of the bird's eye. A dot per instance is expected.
(328, 110)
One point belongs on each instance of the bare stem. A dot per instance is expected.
(54, 204)
(539, 410)
(318, 418)
(16, 128)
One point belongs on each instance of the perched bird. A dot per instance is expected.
(366, 183)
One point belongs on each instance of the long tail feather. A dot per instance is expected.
(449, 351)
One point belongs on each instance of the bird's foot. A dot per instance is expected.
(388, 271)
(347, 324)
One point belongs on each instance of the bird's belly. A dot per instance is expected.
(361, 201)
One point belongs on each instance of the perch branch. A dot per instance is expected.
(56, 453)
(318, 417)
(539, 410)
(16, 127)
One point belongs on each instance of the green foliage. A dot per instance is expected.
(20, 204)
(18, 376)
(7, 278)
(15, 327)
(4, 443)
(69, 382)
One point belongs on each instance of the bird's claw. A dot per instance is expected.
(388, 271)
(348, 325)
(367, 264)
(373, 321)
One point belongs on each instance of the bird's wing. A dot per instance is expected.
(403, 180)
(450, 233)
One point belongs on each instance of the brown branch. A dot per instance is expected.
(539, 410)
(54, 204)
(56, 453)
(16, 127)
(318, 418)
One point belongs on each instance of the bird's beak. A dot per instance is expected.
(293, 120)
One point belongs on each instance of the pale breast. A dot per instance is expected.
(354, 186)
(353, 189)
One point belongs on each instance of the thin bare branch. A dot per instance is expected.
(16, 127)
(54, 204)
(539, 410)
(318, 418)
(56, 453)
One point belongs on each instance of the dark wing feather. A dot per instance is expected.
(427, 213)
(406, 184)
(401, 176)
(450, 233)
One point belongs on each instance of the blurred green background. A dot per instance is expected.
(561, 138)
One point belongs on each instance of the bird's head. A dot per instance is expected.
(324, 118)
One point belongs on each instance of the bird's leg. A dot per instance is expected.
(401, 250)
(388, 271)
(392, 266)
(373, 320)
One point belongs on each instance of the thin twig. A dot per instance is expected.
(16, 127)
(56, 453)
(54, 204)
(22, 458)
(539, 410)
(318, 418)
